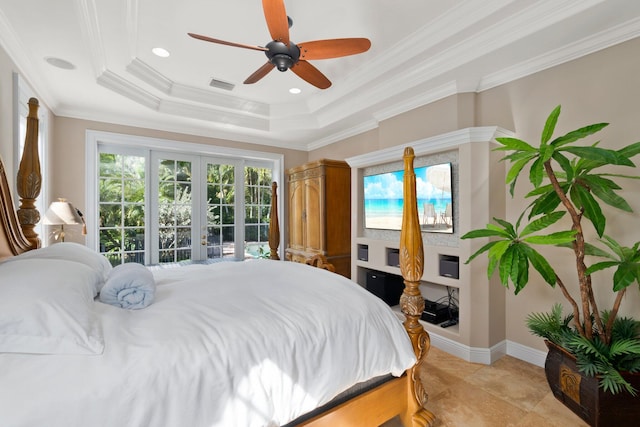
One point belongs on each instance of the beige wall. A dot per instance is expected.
(601, 87)
(68, 152)
(67, 155)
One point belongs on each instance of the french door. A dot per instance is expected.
(150, 199)
(194, 216)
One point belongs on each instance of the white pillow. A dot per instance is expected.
(47, 307)
(70, 251)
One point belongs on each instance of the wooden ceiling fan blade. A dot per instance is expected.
(276, 16)
(311, 74)
(259, 73)
(212, 40)
(333, 48)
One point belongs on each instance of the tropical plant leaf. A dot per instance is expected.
(591, 208)
(519, 269)
(515, 170)
(556, 238)
(519, 155)
(624, 347)
(484, 232)
(516, 144)
(550, 125)
(603, 189)
(546, 153)
(600, 155)
(625, 275)
(630, 150)
(565, 164)
(542, 223)
(545, 204)
(614, 246)
(508, 227)
(505, 266)
(577, 134)
(600, 181)
(536, 172)
(495, 254)
(589, 250)
(481, 250)
(541, 265)
(543, 189)
(600, 266)
(592, 250)
(504, 232)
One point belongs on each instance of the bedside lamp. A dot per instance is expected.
(61, 213)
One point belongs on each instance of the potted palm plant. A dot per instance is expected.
(592, 346)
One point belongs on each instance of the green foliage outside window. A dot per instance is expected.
(122, 208)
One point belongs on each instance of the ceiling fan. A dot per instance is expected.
(283, 54)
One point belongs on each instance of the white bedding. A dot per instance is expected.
(255, 343)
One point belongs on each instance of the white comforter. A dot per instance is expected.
(254, 343)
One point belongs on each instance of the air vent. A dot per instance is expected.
(221, 85)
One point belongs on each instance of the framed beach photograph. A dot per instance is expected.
(383, 199)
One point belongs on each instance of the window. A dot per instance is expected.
(174, 203)
(257, 194)
(220, 215)
(121, 207)
(151, 205)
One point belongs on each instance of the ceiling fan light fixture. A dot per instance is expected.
(282, 62)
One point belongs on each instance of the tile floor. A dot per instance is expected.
(509, 393)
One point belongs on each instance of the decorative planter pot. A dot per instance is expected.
(584, 397)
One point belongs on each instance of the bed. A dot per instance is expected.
(252, 343)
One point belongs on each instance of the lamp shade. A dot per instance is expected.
(61, 213)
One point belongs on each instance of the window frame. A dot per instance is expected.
(136, 145)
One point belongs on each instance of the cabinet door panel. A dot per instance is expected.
(296, 215)
(314, 215)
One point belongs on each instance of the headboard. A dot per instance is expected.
(17, 233)
(12, 239)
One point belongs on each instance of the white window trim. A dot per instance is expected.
(140, 143)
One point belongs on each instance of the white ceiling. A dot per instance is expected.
(422, 50)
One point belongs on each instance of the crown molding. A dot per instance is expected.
(584, 47)
(217, 101)
(443, 142)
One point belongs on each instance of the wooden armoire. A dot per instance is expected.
(320, 213)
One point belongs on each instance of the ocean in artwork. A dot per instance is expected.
(383, 201)
(381, 211)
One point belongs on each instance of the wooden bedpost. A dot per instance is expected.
(411, 301)
(29, 179)
(274, 227)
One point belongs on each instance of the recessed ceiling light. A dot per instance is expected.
(294, 90)
(60, 63)
(162, 53)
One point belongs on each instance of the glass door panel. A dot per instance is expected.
(219, 204)
(121, 209)
(257, 204)
(175, 209)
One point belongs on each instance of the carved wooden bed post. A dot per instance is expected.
(411, 301)
(29, 179)
(274, 227)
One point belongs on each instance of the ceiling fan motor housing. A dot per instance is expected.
(281, 55)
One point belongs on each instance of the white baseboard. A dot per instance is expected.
(489, 355)
(528, 354)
